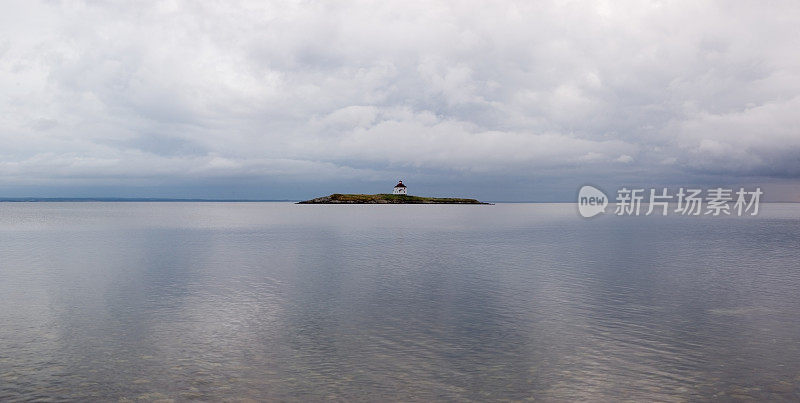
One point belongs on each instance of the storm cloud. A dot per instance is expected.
(511, 100)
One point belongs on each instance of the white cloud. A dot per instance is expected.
(764, 139)
(183, 88)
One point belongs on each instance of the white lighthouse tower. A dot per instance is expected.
(400, 189)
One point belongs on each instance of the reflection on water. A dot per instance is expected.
(210, 301)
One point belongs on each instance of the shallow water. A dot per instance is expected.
(212, 301)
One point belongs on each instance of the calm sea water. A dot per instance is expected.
(276, 301)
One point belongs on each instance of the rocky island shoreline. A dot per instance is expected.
(337, 198)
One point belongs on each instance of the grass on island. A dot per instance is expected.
(393, 198)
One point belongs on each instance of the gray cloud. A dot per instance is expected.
(359, 92)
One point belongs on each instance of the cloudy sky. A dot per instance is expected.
(496, 100)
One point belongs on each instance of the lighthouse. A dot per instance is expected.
(400, 189)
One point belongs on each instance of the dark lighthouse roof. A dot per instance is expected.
(400, 185)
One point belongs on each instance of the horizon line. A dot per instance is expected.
(213, 200)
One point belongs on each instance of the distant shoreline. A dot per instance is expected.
(133, 200)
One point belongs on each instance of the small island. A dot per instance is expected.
(399, 196)
(387, 199)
